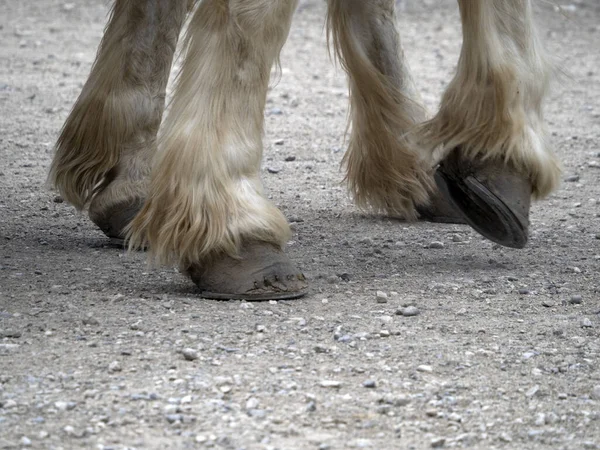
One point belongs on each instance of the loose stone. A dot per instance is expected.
(438, 442)
(252, 403)
(330, 384)
(586, 323)
(532, 391)
(576, 300)
(435, 245)
(90, 320)
(189, 354)
(409, 311)
(114, 366)
(382, 297)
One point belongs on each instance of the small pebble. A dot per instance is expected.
(275, 112)
(14, 334)
(370, 384)
(576, 300)
(290, 158)
(540, 419)
(425, 368)
(572, 179)
(279, 142)
(273, 169)
(438, 442)
(562, 396)
(586, 323)
(189, 354)
(382, 297)
(532, 391)
(548, 303)
(330, 384)
(25, 441)
(90, 320)
(252, 403)
(524, 291)
(114, 366)
(409, 311)
(435, 244)
(173, 418)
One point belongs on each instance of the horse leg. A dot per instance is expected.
(386, 169)
(103, 155)
(490, 121)
(205, 209)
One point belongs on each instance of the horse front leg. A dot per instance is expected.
(205, 210)
(490, 123)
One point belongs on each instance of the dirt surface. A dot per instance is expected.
(97, 350)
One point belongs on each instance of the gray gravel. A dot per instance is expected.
(477, 346)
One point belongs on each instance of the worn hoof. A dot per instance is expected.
(491, 196)
(440, 210)
(113, 220)
(261, 272)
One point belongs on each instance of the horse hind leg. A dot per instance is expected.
(490, 124)
(104, 151)
(385, 169)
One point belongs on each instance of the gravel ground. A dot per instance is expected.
(413, 336)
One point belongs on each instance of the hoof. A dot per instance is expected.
(440, 210)
(114, 220)
(261, 272)
(491, 196)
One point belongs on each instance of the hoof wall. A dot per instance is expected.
(114, 220)
(440, 210)
(261, 272)
(492, 197)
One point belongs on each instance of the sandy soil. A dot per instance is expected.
(97, 350)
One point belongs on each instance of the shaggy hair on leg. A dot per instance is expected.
(493, 106)
(385, 169)
(120, 107)
(205, 196)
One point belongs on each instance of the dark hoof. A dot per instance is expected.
(262, 272)
(440, 210)
(491, 196)
(114, 220)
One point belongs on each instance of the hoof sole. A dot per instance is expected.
(261, 272)
(492, 197)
